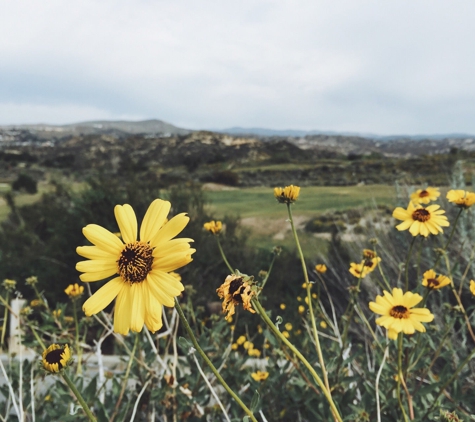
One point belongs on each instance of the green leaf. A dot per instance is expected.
(255, 401)
(184, 344)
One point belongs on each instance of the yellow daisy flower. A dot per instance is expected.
(420, 220)
(235, 291)
(283, 306)
(234, 346)
(254, 352)
(288, 326)
(323, 324)
(472, 287)
(424, 196)
(359, 270)
(9, 284)
(369, 254)
(248, 345)
(241, 340)
(31, 281)
(461, 198)
(286, 334)
(287, 195)
(56, 357)
(301, 309)
(321, 268)
(214, 227)
(74, 290)
(398, 312)
(259, 376)
(434, 282)
(142, 283)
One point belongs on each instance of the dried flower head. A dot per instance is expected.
(235, 291)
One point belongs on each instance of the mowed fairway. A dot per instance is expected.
(260, 202)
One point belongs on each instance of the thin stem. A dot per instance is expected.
(400, 376)
(126, 377)
(224, 256)
(449, 239)
(267, 275)
(376, 385)
(78, 347)
(209, 363)
(406, 266)
(5, 317)
(258, 307)
(76, 392)
(309, 299)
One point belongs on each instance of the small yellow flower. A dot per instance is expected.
(266, 346)
(420, 220)
(304, 285)
(26, 311)
(461, 198)
(9, 284)
(248, 345)
(298, 332)
(321, 268)
(301, 309)
(48, 398)
(235, 291)
(241, 340)
(306, 300)
(259, 376)
(56, 357)
(234, 346)
(36, 303)
(472, 287)
(287, 195)
(434, 282)
(286, 334)
(74, 290)
(314, 295)
(424, 196)
(259, 329)
(31, 281)
(323, 324)
(288, 326)
(254, 352)
(282, 306)
(398, 313)
(68, 319)
(358, 270)
(369, 254)
(57, 313)
(299, 298)
(214, 227)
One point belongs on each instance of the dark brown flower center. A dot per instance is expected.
(432, 282)
(421, 215)
(399, 311)
(423, 194)
(135, 262)
(368, 263)
(55, 357)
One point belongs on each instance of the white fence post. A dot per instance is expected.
(14, 342)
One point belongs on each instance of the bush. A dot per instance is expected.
(25, 183)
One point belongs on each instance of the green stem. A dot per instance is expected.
(76, 392)
(38, 339)
(455, 375)
(78, 347)
(224, 256)
(5, 316)
(406, 266)
(399, 378)
(449, 239)
(256, 304)
(309, 299)
(209, 363)
(267, 275)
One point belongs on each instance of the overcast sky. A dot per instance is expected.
(370, 66)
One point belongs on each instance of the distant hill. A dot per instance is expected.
(100, 127)
(265, 132)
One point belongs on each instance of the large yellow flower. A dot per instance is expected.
(142, 283)
(424, 196)
(461, 198)
(434, 282)
(398, 312)
(420, 220)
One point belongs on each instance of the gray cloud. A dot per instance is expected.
(371, 66)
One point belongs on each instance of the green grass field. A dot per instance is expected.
(260, 202)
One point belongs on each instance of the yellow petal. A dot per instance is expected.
(401, 214)
(154, 218)
(125, 216)
(166, 282)
(170, 230)
(103, 238)
(153, 312)
(161, 294)
(137, 316)
(415, 228)
(123, 310)
(411, 299)
(96, 265)
(103, 297)
(173, 262)
(96, 276)
(93, 252)
(404, 225)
